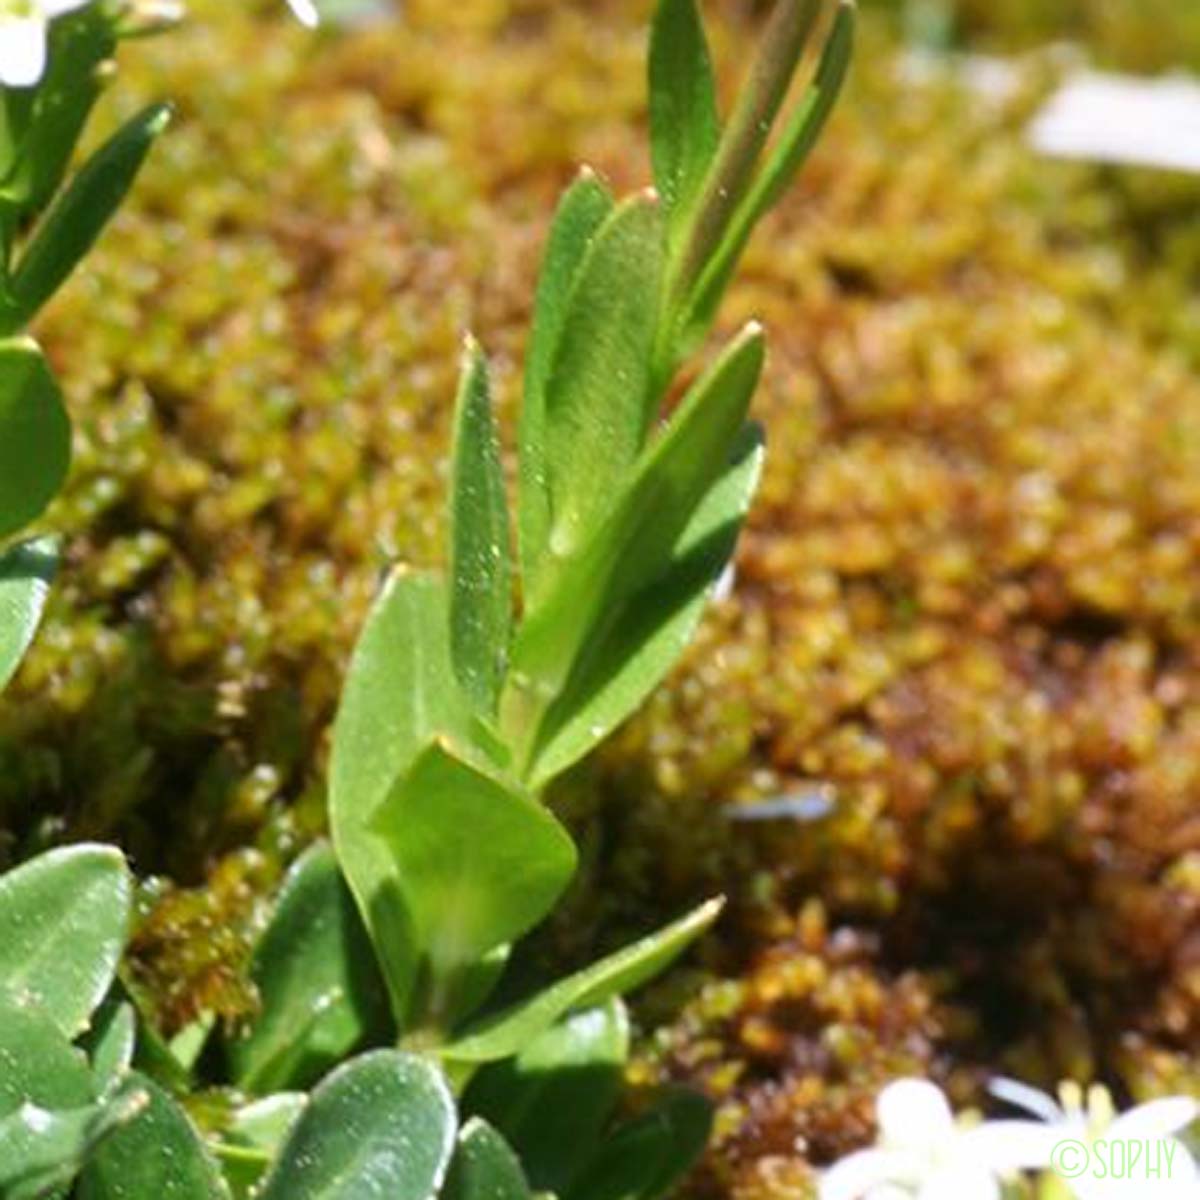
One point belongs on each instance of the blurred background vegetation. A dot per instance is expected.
(968, 601)
(1146, 36)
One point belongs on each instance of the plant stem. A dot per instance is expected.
(788, 29)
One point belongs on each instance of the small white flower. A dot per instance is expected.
(1086, 1119)
(23, 26)
(306, 12)
(923, 1154)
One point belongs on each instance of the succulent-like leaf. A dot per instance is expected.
(597, 399)
(617, 672)
(64, 917)
(400, 694)
(79, 216)
(26, 572)
(481, 598)
(110, 1043)
(647, 1157)
(479, 864)
(582, 211)
(684, 124)
(41, 1067)
(35, 435)
(484, 1167)
(551, 1101)
(42, 1151)
(159, 1154)
(382, 1125)
(318, 981)
(632, 549)
(508, 1032)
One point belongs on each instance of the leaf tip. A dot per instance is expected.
(161, 116)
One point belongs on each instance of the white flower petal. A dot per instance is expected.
(858, 1175)
(22, 51)
(913, 1112)
(306, 12)
(1005, 1146)
(56, 8)
(960, 1181)
(1022, 1095)
(1156, 1119)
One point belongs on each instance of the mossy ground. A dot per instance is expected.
(968, 598)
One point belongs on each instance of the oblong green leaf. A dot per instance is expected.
(159, 1154)
(552, 1101)
(26, 572)
(79, 43)
(645, 1158)
(80, 214)
(35, 435)
(618, 671)
(582, 211)
(598, 403)
(632, 548)
(479, 864)
(400, 693)
(320, 990)
(381, 1126)
(481, 598)
(506, 1033)
(796, 143)
(484, 1167)
(684, 125)
(64, 917)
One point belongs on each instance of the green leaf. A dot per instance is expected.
(617, 672)
(598, 406)
(266, 1123)
(110, 1043)
(552, 1101)
(79, 44)
(35, 435)
(508, 1032)
(40, 1066)
(684, 125)
(319, 985)
(479, 865)
(796, 143)
(63, 923)
(400, 694)
(481, 597)
(26, 572)
(632, 548)
(72, 226)
(484, 1167)
(584, 208)
(41, 1151)
(647, 1157)
(159, 1155)
(253, 1138)
(383, 1125)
